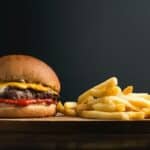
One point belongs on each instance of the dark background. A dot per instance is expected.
(85, 41)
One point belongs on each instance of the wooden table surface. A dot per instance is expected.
(63, 124)
(73, 133)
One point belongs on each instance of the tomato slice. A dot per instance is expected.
(25, 102)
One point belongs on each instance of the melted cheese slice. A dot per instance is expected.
(33, 86)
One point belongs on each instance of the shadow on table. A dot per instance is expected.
(47, 141)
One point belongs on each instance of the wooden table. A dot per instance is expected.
(73, 133)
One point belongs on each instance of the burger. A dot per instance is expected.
(28, 87)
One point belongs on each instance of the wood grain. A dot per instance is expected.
(63, 132)
(72, 125)
(50, 119)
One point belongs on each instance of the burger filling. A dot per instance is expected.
(16, 93)
(24, 97)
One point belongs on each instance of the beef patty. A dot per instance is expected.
(16, 93)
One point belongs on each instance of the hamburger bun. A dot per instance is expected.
(30, 111)
(29, 69)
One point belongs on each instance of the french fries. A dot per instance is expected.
(109, 107)
(70, 112)
(119, 100)
(69, 108)
(107, 101)
(60, 107)
(139, 102)
(136, 115)
(113, 91)
(81, 107)
(127, 90)
(104, 115)
(102, 88)
(70, 105)
(144, 95)
(147, 112)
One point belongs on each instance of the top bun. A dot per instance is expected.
(29, 69)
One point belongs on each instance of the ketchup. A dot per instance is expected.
(25, 102)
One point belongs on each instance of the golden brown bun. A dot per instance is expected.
(35, 110)
(28, 68)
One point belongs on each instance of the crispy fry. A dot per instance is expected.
(100, 93)
(120, 107)
(60, 107)
(137, 101)
(91, 93)
(104, 115)
(136, 115)
(99, 89)
(109, 107)
(120, 100)
(144, 95)
(81, 107)
(70, 112)
(113, 91)
(104, 107)
(111, 82)
(128, 90)
(93, 100)
(71, 105)
(147, 112)
(97, 92)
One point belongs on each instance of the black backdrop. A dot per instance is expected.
(85, 41)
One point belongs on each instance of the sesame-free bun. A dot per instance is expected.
(30, 111)
(29, 69)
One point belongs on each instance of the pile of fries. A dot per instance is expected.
(108, 101)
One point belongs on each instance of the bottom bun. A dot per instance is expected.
(34, 110)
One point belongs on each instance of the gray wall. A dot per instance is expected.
(85, 41)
